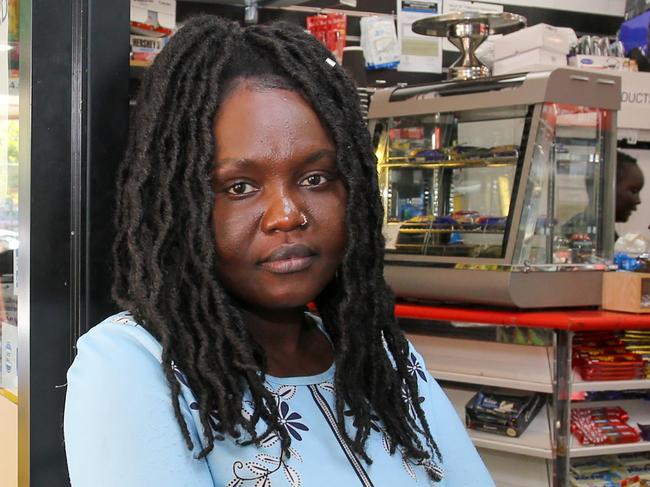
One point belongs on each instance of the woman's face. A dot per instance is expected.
(279, 212)
(628, 190)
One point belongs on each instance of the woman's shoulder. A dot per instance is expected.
(117, 353)
(121, 336)
(119, 424)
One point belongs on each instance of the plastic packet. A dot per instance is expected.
(379, 42)
(632, 244)
(626, 263)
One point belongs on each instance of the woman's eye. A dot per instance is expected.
(314, 180)
(239, 189)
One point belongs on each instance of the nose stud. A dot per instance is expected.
(304, 220)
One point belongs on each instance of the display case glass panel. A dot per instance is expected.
(560, 223)
(448, 180)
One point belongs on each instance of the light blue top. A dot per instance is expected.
(121, 431)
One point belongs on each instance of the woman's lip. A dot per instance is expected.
(287, 266)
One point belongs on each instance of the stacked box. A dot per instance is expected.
(503, 414)
(144, 49)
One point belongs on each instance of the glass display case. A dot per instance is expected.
(499, 191)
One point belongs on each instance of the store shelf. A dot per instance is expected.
(486, 363)
(571, 319)
(479, 230)
(534, 442)
(608, 385)
(639, 411)
(512, 470)
(422, 163)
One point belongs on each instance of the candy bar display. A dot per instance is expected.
(613, 471)
(495, 189)
(612, 355)
(638, 343)
(330, 29)
(503, 414)
(604, 425)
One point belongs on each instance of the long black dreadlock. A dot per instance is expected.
(164, 253)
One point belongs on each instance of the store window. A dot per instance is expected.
(9, 150)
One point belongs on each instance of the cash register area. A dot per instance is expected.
(502, 151)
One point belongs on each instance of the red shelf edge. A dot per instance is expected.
(568, 319)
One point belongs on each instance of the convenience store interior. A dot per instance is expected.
(515, 277)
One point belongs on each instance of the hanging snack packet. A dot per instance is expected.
(331, 30)
(379, 42)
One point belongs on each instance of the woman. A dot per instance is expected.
(249, 190)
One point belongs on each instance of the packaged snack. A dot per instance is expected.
(598, 426)
(331, 30)
(612, 355)
(504, 414)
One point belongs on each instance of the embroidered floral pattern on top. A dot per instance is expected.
(414, 367)
(259, 472)
(261, 468)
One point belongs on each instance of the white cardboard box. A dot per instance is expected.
(633, 120)
(540, 36)
(599, 62)
(525, 62)
(163, 10)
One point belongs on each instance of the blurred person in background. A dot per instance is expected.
(629, 183)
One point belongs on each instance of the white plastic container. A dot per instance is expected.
(526, 62)
(538, 37)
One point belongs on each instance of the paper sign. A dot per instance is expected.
(467, 6)
(420, 53)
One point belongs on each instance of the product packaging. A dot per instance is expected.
(144, 49)
(538, 48)
(156, 13)
(533, 60)
(504, 414)
(379, 42)
(588, 61)
(540, 36)
(600, 426)
(331, 30)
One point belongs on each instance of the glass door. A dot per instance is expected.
(63, 120)
(9, 238)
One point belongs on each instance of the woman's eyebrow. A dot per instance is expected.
(319, 154)
(238, 163)
(246, 162)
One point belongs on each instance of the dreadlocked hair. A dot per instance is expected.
(164, 253)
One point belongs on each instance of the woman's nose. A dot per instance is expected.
(282, 213)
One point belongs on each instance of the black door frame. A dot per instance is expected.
(73, 123)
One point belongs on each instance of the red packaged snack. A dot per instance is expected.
(598, 426)
(330, 29)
